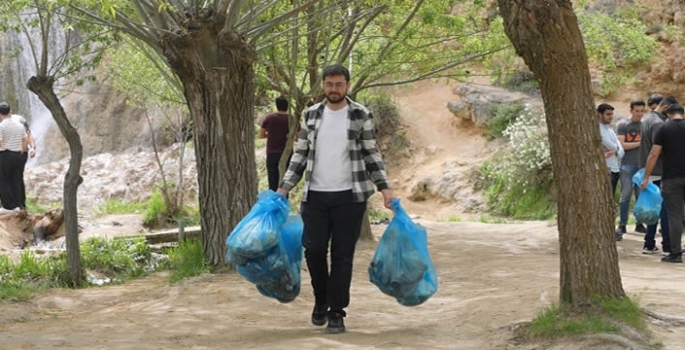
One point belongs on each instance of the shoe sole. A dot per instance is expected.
(335, 330)
(319, 323)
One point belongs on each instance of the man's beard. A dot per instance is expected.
(335, 99)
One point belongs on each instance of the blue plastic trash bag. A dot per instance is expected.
(401, 266)
(276, 272)
(284, 284)
(285, 257)
(648, 205)
(259, 230)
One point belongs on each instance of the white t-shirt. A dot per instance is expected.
(332, 167)
(11, 135)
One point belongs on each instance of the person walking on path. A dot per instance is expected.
(336, 150)
(650, 126)
(669, 141)
(629, 137)
(275, 130)
(13, 142)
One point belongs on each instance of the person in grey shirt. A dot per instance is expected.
(629, 135)
(650, 126)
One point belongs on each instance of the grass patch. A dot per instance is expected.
(556, 321)
(118, 260)
(118, 206)
(518, 202)
(122, 258)
(186, 261)
(489, 219)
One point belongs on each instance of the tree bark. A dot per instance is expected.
(215, 67)
(366, 234)
(42, 86)
(545, 34)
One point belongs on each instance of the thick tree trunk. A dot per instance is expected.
(216, 69)
(43, 87)
(546, 34)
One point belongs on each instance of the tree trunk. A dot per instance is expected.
(366, 234)
(546, 34)
(43, 87)
(216, 70)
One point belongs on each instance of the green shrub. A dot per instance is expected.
(502, 115)
(186, 260)
(518, 182)
(156, 210)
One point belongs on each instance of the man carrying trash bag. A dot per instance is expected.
(669, 142)
(336, 151)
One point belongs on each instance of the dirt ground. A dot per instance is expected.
(491, 277)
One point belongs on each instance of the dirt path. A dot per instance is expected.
(491, 277)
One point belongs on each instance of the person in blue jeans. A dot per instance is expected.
(629, 131)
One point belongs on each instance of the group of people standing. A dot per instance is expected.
(16, 146)
(655, 142)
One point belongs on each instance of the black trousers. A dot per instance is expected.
(22, 191)
(11, 179)
(272, 160)
(614, 182)
(334, 217)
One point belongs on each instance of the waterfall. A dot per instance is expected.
(17, 66)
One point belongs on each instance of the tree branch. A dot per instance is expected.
(430, 74)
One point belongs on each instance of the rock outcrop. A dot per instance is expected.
(476, 102)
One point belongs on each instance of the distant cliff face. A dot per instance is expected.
(104, 121)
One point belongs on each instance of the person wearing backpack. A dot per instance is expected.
(336, 151)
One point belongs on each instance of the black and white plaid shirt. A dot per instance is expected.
(367, 164)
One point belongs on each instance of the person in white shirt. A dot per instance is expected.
(613, 151)
(13, 143)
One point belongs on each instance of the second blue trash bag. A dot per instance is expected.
(401, 266)
(648, 205)
(258, 231)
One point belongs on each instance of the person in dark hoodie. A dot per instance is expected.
(650, 126)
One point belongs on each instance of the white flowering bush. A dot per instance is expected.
(518, 180)
(526, 161)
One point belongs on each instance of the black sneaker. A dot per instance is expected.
(621, 230)
(336, 325)
(673, 258)
(619, 237)
(319, 315)
(640, 228)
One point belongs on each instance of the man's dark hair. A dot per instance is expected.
(670, 100)
(655, 99)
(604, 107)
(282, 104)
(5, 108)
(634, 103)
(675, 109)
(336, 69)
